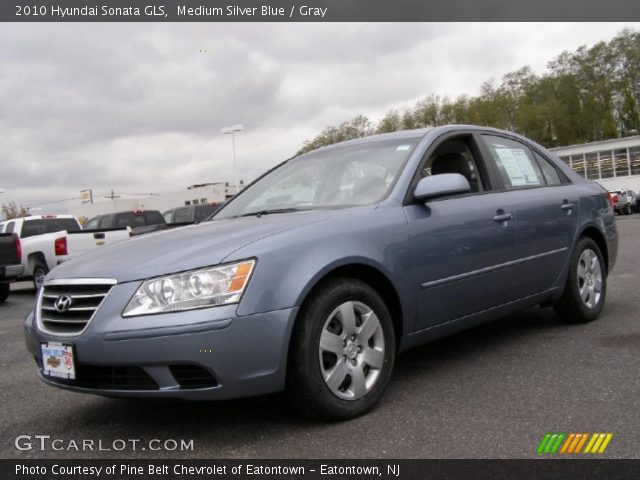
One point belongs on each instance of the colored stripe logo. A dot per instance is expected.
(571, 443)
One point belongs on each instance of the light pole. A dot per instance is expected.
(232, 131)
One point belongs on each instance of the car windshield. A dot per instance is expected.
(360, 174)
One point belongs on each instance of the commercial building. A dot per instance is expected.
(193, 195)
(615, 164)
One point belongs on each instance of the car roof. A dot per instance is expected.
(418, 133)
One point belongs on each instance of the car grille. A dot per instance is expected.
(82, 300)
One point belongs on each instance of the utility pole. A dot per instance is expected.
(113, 195)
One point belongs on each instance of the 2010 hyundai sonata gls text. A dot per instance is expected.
(315, 276)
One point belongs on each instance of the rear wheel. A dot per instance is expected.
(39, 272)
(343, 350)
(4, 292)
(586, 287)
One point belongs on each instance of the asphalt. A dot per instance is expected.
(490, 392)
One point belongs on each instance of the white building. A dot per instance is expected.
(615, 164)
(195, 194)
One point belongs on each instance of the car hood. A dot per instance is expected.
(184, 248)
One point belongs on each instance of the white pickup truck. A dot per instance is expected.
(49, 240)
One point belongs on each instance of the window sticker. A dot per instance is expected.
(517, 165)
(403, 148)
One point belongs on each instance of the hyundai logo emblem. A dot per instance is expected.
(62, 303)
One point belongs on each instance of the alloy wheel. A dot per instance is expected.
(351, 350)
(589, 278)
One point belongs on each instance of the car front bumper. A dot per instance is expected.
(155, 355)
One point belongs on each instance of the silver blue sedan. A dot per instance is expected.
(319, 273)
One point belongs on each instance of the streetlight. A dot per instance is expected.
(232, 130)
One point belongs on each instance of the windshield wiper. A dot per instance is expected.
(260, 213)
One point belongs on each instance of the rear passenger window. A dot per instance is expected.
(153, 218)
(130, 220)
(551, 175)
(105, 222)
(9, 228)
(515, 162)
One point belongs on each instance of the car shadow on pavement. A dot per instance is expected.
(269, 414)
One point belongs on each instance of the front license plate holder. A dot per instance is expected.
(58, 360)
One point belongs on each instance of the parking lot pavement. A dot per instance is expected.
(491, 392)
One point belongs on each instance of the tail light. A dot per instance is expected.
(18, 245)
(61, 246)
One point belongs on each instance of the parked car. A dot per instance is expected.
(49, 240)
(129, 218)
(624, 201)
(139, 221)
(315, 276)
(10, 266)
(190, 213)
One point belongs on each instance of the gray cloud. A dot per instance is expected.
(139, 107)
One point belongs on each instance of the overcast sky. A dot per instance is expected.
(138, 108)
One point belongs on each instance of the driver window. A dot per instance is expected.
(454, 156)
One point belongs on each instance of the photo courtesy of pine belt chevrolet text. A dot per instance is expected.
(318, 274)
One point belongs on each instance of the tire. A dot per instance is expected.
(587, 274)
(4, 292)
(346, 374)
(39, 272)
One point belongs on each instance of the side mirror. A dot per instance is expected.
(442, 184)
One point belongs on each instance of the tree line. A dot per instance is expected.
(590, 94)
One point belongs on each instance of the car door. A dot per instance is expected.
(462, 246)
(546, 210)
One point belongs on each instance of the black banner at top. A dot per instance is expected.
(316, 10)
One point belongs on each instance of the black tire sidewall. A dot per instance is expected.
(4, 292)
(305, 381)
(38, 266)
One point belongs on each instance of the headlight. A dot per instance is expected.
(206, 287)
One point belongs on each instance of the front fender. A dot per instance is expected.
(290, 264)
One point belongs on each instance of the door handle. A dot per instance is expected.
(503, 217)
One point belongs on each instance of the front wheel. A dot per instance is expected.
(586, 287)
(343, 351)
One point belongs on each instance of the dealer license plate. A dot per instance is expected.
(57, 360)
